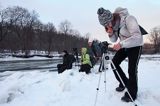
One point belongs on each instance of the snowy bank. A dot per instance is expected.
(71, 88)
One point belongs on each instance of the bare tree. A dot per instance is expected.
(74, 32)
(50, 32)
(3, 25)
(65, 27)
(22, 30)
(155, 38)
(38, 41)
(21, 22)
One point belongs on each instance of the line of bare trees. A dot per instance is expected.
(153, 46)
(155, 39)
(22, 30)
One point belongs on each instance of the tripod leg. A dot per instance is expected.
(114, 68)
(98, 89)
(105, 79)
(103, 69)
(99, 70)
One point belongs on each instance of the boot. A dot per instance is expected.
(126, 99)
(120, 88)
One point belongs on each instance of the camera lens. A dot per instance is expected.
(107, 57)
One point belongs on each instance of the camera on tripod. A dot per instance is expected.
(104, 46)
(99, 48)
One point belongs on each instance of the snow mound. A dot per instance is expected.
(71, 88)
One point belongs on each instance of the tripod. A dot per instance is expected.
(102, 68)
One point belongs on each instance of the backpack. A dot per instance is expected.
(143, 31)
(96, 48)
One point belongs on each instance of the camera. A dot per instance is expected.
(99, 48)
(104, 46)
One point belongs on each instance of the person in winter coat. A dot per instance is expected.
(123, 26)
(75, 53)
(67, 62)
(93, 57)
(85, 61)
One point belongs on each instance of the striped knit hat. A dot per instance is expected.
(104, 16)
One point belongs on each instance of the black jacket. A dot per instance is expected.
(68, 60)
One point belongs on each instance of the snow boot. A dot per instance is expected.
(126, 99)
(120, 89)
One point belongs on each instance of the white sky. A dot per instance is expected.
(83, 13)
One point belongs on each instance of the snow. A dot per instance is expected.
(71, 88)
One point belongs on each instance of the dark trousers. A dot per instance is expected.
(85, 68)
(63, 67)
(133, 55)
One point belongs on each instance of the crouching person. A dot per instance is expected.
(85, 62)
(67, 62)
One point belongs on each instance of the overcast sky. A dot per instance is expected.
(83, 13)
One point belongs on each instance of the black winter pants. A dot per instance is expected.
(133, 55)
(63, 67)
(85, 68)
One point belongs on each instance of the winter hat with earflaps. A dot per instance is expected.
(104, 16)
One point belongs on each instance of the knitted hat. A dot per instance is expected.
(104, 16)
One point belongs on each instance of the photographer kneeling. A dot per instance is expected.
(67, 62)
(85, 61)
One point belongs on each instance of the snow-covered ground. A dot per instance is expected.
(71, 88)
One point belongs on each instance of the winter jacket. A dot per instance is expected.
(67, 61)
(85, 58)
(129, 32)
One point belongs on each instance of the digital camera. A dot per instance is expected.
(99, 48)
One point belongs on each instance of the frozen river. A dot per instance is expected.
(43, 63)
(18, 65)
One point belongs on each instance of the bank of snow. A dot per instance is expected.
(71, 88)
